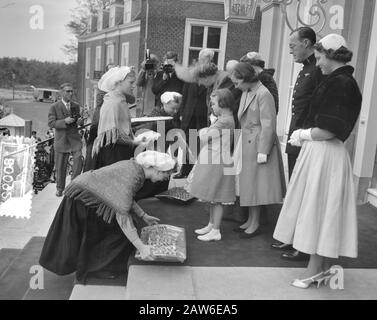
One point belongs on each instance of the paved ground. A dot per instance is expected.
(37, 112)
(16, 233)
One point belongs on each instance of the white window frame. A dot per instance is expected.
(112, 16)
(110, 53)
(98, 66)
(87, 97)
(125, 57)
(100, 21)
(127, 16)
(87, 63)
(206, 23)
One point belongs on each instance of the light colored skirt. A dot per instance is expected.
(319, 211)
(208, 183)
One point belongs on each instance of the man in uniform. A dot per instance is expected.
(301, 46)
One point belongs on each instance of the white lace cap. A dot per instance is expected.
(111, 77)
(169, 96)
(158, 160)
(254, 56)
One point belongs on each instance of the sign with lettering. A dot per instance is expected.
(16, 176)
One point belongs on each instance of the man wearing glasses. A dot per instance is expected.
(65, 117)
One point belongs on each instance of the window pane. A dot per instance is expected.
(193, 57)
(214, 38)
(216, 58)
(197, 34)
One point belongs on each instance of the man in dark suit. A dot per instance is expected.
(194, 115)
(301, 46)
(167, 80)
(65, 116)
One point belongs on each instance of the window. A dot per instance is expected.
(98, 59)
(110, 54)
(112, 17)
(87, 63)
(125, 54)
(200, 34)
(127, 11)
(100, 21)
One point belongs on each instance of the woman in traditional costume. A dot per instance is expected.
(93, 230)
(115, 140)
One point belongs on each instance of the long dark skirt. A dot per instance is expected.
(80, 241)
(113, 153)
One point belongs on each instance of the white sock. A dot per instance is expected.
(204, 230)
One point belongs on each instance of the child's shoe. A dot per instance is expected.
(204, 230)
(213, 235)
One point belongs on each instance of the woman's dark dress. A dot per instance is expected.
(79, 240)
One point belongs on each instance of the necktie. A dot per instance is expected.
(69, 106)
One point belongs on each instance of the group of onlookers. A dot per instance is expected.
(318, 218)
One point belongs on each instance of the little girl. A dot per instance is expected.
(209, 180)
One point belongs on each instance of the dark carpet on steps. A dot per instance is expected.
(7, 256)
(232, 251)
(15, 282)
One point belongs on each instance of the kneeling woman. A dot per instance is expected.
(89, 241)
(319, 212)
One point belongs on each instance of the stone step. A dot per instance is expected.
(90, 292)
(7, 256)
(372, 197)
(224, 283)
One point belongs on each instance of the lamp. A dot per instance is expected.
(240, 11)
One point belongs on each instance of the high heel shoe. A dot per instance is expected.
(306, 283)
(327, 275)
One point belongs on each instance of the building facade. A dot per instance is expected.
(122, 33)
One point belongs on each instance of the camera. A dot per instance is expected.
(149, 64)
(75, 114)
(168, 68)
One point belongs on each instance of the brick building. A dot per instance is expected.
(121, 33)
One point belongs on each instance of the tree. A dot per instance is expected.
(80, 21)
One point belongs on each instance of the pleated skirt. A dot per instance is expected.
(319, 211)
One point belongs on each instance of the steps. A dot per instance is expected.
(15, 278)
(7, 256)
(372, 197)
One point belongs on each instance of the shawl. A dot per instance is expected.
(110, 189)
(336, 103)
(114, 122)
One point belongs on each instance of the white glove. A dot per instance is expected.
(295, 139)
(299, 136)
(262, 158)
(306, 135)
(212, 118)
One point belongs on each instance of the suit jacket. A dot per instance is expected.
(67, 137)
(308, 79)
(194, 107)
(160, 86)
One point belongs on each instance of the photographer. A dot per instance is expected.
(145, 80)
(65, 117)
(167, 80)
